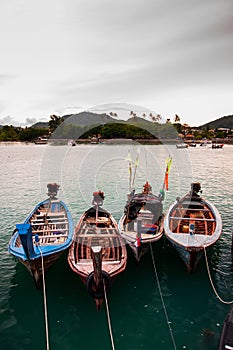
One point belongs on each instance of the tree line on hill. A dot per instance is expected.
(134, 128)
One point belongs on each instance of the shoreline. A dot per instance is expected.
(119, 141)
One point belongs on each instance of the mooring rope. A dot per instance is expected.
(211, 281)
(161, 296)
(45, 302)
(108, 316)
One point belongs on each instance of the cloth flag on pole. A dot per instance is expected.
(137, 243)
(168, 168)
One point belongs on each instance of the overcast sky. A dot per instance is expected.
(170, 56)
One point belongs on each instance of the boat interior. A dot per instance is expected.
(50, 224)
(145, 223)
(98, 231)
(112, 247)
(196, 220)
(100, 218)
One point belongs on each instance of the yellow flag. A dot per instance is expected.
(169, 164)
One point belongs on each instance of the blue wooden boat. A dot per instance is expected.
(45, 234)
(192, 224)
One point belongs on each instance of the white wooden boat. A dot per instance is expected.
(142, 221)
(41, 140)
(181, 145)
(192, 224)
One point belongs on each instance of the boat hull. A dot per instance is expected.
(139, 247)
(189, 255)
(35, 266)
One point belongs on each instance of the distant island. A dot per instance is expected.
(88, 125)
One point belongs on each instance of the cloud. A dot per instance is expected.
(68, 110)
(8, 120)
(151, 53)
(30, 121)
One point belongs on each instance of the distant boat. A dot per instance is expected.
(226, 340)
(192, 224)
(217, 145)
(142, 221)
(72, 143)
(192, 144)
(98, 252)
(42, 140)
(181, 145)
(45, 234)
(94, 140)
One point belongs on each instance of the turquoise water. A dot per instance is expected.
(182, 312)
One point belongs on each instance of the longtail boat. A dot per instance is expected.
(192, 224)
(217, 145)
(142, 221)
(45, 234)
(98, 252)
(226, 340)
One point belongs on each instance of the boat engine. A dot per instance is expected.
(52, 189)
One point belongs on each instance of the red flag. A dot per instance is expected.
(166, 180)
(168, 167)
(137, 243)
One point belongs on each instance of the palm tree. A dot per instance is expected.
(54, 122)
(177, 118)
(155, 118)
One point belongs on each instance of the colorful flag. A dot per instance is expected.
(168, 168)
(169, 163)
(166, 181)
(137, 243)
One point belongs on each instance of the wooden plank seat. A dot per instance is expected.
(190, 219)
(100, 235)
(100, 220)
(55, 213)
(90, 230)
(50, 215)
(49, 223)
(49, 230)
(191, 202)
(53, 236)
(194, 209)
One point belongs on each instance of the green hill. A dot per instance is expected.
(224, 122)
(40, 125)
(88, 118)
